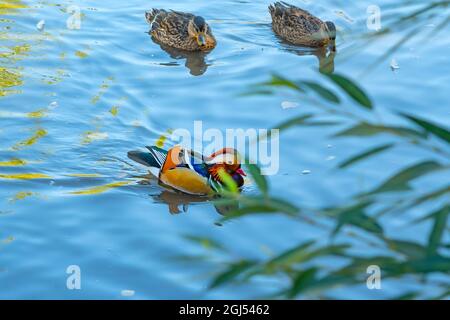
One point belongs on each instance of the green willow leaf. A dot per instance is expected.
(401, 180)
(228, 181)
(352, 89)
(365, 155)
(357, 217)
(279, 81)
(410, 249)
(364, 129)
(437, 233)
(206, 243)
(434, 129)
(294, 122)
(303, 281)
(234, 271)
(291, 256)
(261, 205)
(325, 93)
(259, 179)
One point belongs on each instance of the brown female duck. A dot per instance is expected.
(300, 27)
(180, 30)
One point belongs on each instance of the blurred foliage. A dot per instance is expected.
(298, 269)
(311, 268)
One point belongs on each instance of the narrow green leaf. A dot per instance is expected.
(259, 179)
(401, 180)
(205, 242)
(434, 129)
(231, 273)
(261, 205)
(365, 155)
(366, 129)
(291, 256)
(410, 249)
(279, 81)
(437, 233)
(356, 216)
(293, 122)
(325, 93)
(228, 181)
(352, 89)
(303, 280)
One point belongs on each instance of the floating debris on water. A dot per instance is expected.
(305, 172)
(81, 54)
(127, 293)
(394, 65)
(40, 25)
(53, 105)
(90, 136)
(343, 15)
(289, 105)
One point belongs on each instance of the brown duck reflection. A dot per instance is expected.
(195, 61)
(179, 202)
(325, 55)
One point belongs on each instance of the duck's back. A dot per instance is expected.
(296, 25)
(171, 28)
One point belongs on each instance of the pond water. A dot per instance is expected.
(74, 102)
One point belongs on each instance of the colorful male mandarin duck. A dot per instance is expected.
(190, 172)
(180, 30)
(300, 27)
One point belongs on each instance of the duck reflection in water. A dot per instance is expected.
(325, 55)
(195, 61)
(178, 202)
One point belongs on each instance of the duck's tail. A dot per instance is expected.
(152, 16)
(278, 8)
(155, 158)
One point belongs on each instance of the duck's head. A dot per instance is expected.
(197, 30)
(331, 31)
(227, 159)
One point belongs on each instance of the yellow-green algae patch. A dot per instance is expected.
(162, 139)
(22, 195)
(11, 6)
(13, 163)
(81, 54)
(101, 189)
(103, 88)
(30, 141)
(84, 175)
(37, 114)
(114, 110)
(24, 176)
(8, 79)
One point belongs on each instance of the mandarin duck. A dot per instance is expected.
(180, 30)
(300, 27)
(190, 172)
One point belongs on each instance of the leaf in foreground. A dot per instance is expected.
(259, 179)
(352, 89)
(234, 271)
(365, 155)
(434, 129)
(401, 180)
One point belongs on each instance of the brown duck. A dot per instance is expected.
(300, 27)
(180, 30)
